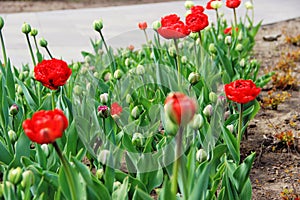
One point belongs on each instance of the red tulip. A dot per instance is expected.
(45, 126)
(172, 27)
(180, 108)
(208, 5)
(115, 109)
(52, 73)
(229, 30)
(241, 91)
(197, 9)
(196, 21)
(233, 3)
(142, 25)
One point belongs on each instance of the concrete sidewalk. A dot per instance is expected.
(68, 32)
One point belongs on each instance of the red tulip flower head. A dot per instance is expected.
(52, 73)
(197, 9)
(45, 126)
(233, 3)
(241, 91)
(196, 21)
(142, 25)
(180, 108)
(208, 5)
(172, 27)
(229, 30)
(115, 109)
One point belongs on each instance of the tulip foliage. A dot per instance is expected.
(164, 121)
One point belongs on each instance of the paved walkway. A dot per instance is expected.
(68, 32)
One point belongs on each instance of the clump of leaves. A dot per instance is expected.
(274, 99)
(295, 40)
(285, 80)
(289, 194)
(286, 137)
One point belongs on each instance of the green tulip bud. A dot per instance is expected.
(127, 62)
(212, 49)
(107, 76)
(43, 42)
(117, 185)
(77, 90)
(188, 4)
(26, 28)
(140, 70)
(76, 66)
(14, 109)
(28, 178)
(216, 4)
(194, 36)
(239, 47)
(152, 55)
(138, 139)
(104, 98)
(136, 111)
(213, 97)
(156, 25)
(228, 40)
(240, 36)
(197, 122)
(12, 135)
(98, 25)
(118, 74)
(230, 127)
(45, 149)
(242, 62)
(201, 155)
(99, 173)
(248, 5)
(170, 127)
(184, 59)
(220, 37)
(129, 99)
(103, 156)
(19, 90)
(194, 78)
(1, 23)
(208, 110)
(14, 175)
(172, 51)
(34, 32)
(97, 75)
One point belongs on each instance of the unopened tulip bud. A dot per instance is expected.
(187, 13)
(179, 108)
(242, 62)
(104, 98)
(43, 42)
(216, 4)
(1, 23)
(213, 97)
(107, 76)
(170, 127)
(136, 112)
(239, 47)
(140, 70)
(228, 40)
(208, 110)
(197, 122)
(201, 155)
(127, 62)
(226, 115)
(14, 175)
(193, 35)
(156, 25)
(248, 5)
(152, 56)
(99, 173)
(129, 99)
(98, 25)
(230, 127)
(34, 32)
(117, 185)
(14, 109)
(240, 36)
(19, 90)
(77, 90)
(220, 37)
(212, 49)
(12, 135)
(45, 149)
(26, 28)
(103, 111)
(184, 59)
(221, 100)
(194, 78)
(27, 178)
(97, 75)
(189, 4)
(138, 139)
(103, 157)
(118, 74)
(142, 25)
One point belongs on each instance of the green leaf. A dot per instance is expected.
(120, 176)
(29, 96)
(5, 156)
(122, 192)
(141, 195)
(10, 82)
(22, 148)
(166, 191)
(231, 142)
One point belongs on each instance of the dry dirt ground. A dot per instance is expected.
(277, 166)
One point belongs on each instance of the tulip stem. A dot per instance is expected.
(66, 165)
(36, 46)
(177, 62)
(3, 49)
(235, 20)
(48, 52)
(30, 50)
(177, 162)
(146, 36)
(239, 135)
(53, 99)
(108, 52)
